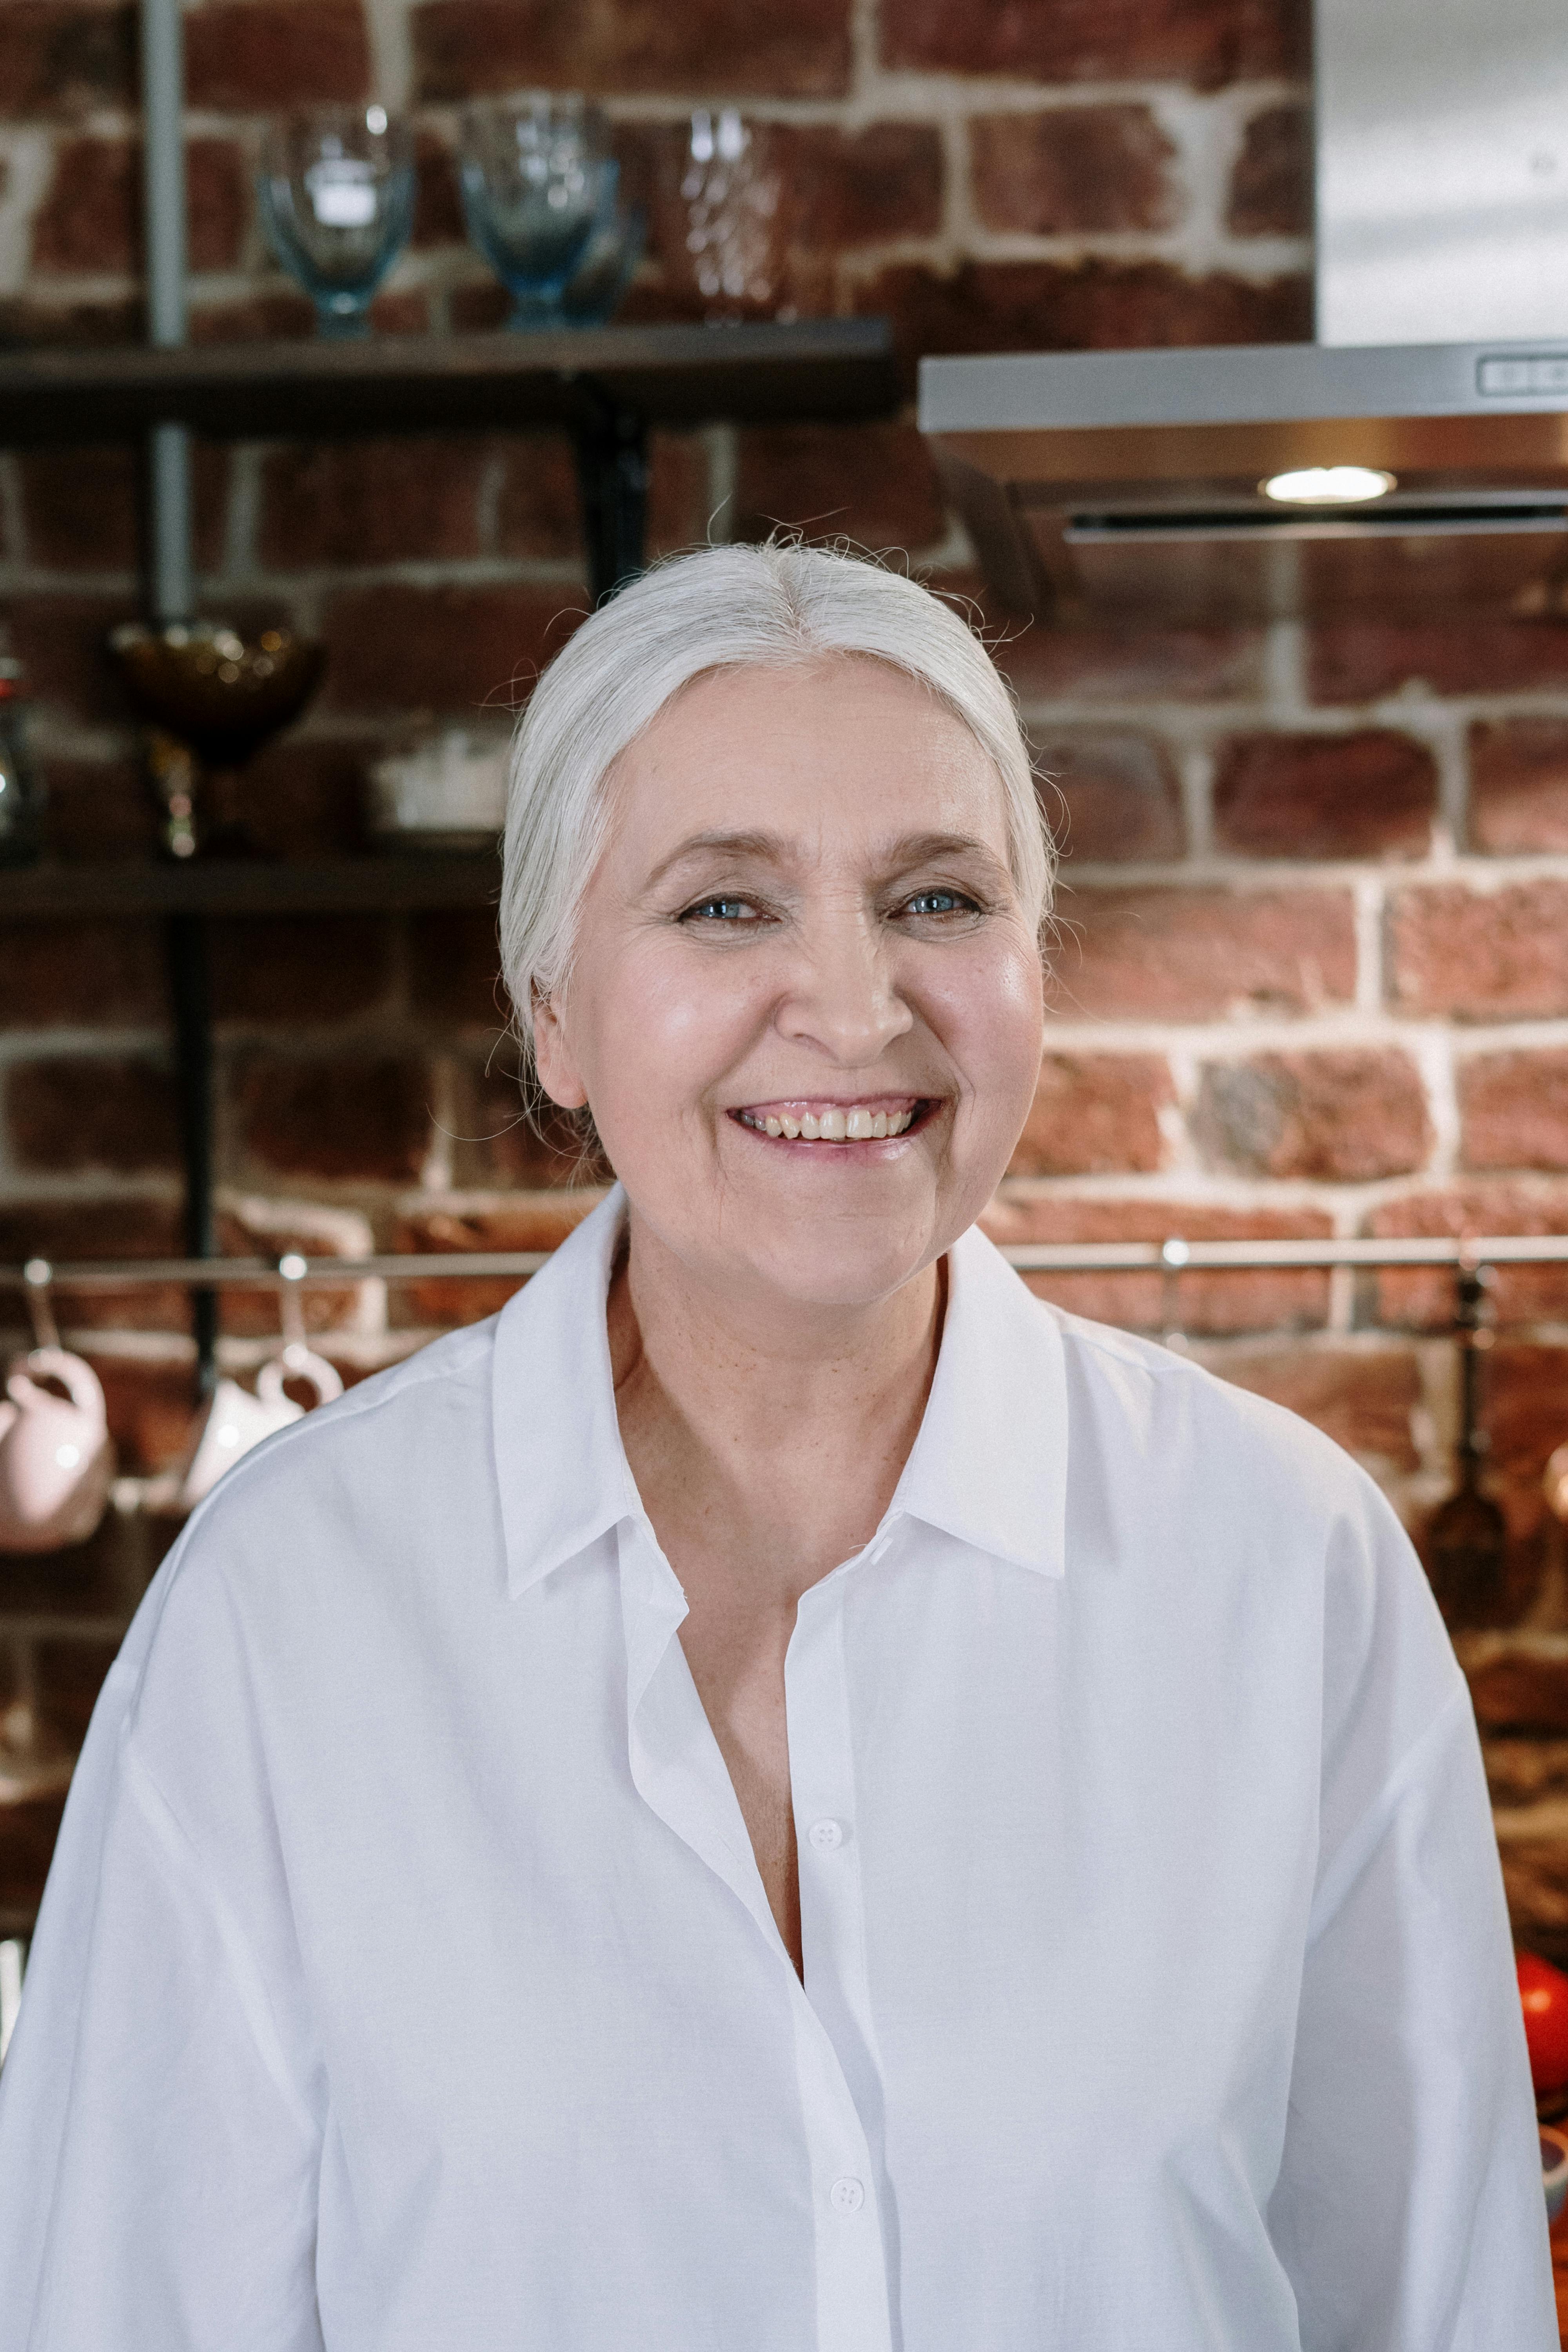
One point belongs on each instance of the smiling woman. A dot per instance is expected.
(780, 1795)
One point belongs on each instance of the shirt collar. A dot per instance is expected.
(988, 1464)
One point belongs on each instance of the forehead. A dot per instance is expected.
(844, 747)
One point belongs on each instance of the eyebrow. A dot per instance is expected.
(770, 848)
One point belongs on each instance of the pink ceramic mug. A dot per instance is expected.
(56, 1457)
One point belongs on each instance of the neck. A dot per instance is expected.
(788, 1430)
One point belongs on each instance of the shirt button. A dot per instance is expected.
(826, 1835)
(846, 2196)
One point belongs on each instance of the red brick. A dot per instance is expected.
(301, 798)
(1466, 653)
(247, 55)
(438, 205)
(73, 973)
(444, 649)
(68, 1678)
(1205, 42)
(27, 1833)
(112, 1228)
(371, 501)
(1110, 797)
(1090, 304)
(1203, 1302)
(90, 323)
(57, 57)
(1338, 1117)
(280, 316)
(1520, 1684)
(81, 507)
(1513, 1109)
(61, 644)
(540, 514)
(1361, 1398)
(497, 1146)
(1072, 168)
(299, 969)
(718, 47)
(401, 310)
(1535, 1881)
(541, 1222)
(872, 483)
(1108, 661)
(152, 1401)
(78, 1111)
(454, 969)
(257, 1226)
(1496, 955)
(848, 188)
(1195, 955)
(97, 811)
(1519, 784)
(1524, 1408)
(1372, 795)
(90, 218)
(1095, 1114)
(1271, 181)
(365, 1117)
(1522, 1294)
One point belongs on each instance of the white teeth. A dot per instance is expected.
(857, 1126)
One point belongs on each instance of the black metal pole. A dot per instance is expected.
(186, 948)
(612, 481)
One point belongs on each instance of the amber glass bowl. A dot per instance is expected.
(210, 696)
(222, 694)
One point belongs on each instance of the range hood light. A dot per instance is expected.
(1328, 486)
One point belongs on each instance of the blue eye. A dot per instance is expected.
(720, 910)
(939, 902)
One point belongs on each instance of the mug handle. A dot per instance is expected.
(298, 1364)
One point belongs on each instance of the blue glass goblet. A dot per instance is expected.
(536, 178)
(336, 190)
(593, 293)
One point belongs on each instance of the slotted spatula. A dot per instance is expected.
(1467, 1537)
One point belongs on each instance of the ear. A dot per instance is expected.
(552, 1056)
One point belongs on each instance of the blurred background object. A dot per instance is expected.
(21, 786)
(723, 219)
(446, 790)
(537, 179)
(336, 193)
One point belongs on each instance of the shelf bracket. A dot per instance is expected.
(612, 480)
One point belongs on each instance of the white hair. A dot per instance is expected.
(778, 606)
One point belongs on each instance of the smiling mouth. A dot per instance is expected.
(877, 1121)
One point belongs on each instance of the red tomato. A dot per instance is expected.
(1543, 1990)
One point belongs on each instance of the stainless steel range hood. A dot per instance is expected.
(1136, 479)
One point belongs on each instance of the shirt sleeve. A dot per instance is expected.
(1409, 2212)
(158, 2159)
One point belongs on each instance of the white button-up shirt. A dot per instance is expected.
(405, 1979)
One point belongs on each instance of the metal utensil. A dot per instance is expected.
(1467, 1539)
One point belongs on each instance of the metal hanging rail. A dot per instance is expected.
(1174, 1256)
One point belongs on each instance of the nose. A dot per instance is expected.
(842, 997)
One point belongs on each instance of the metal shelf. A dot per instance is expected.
(825, 370)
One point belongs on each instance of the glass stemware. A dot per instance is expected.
(726, 225)
(536, 180)
(336, 191)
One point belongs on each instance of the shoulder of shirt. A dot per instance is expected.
(1272, 1430)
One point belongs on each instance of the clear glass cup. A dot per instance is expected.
(724, 225)
(336, 191)
(537, 177)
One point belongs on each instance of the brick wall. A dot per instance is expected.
(1313, 969)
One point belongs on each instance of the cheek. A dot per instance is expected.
(989, 1013)
(667, 1023)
